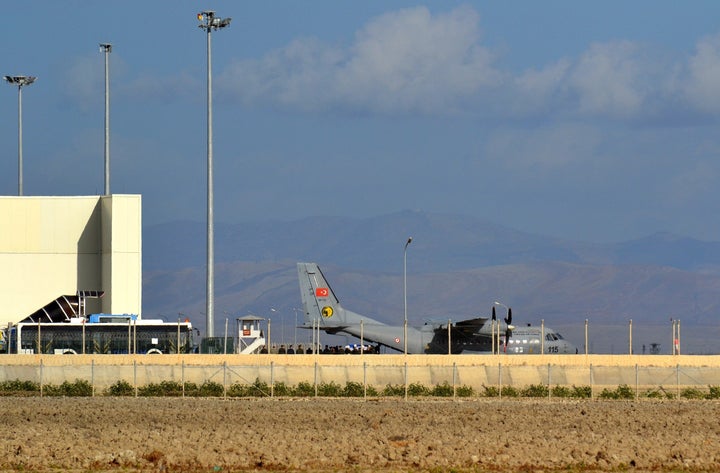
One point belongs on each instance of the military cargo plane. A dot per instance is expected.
(477, 335)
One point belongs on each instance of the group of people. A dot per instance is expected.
(354, 349)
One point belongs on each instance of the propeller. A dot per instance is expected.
(510, 327)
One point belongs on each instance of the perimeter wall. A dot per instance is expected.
(645, 372)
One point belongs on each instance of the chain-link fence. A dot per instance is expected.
(317, 373)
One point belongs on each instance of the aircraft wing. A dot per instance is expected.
(471, 327)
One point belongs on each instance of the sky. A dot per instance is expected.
(592, 121)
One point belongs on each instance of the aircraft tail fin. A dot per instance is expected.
(319, 300)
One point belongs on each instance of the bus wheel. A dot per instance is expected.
(69, 351)
(154, 351)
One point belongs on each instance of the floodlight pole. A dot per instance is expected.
(20, 81)
(107, 49)
(405, 324)
(208, 22)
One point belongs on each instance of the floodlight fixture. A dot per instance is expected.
(209, 21)
(20, 81)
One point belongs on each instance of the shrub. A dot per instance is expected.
(714, 392)
(256, 389)
(394, 390)
(304, 389)
(331, 389)
(164, 388)
(535, 390)
(211, 389)
(78, 388)
(353, 389)
(561, 391)
(19, 388)
(582, 392)
(659, 394)
(509, 391)
(464, 391)
(417, 389)
(371, 391)
(692, 393)
(625, 392)
(442, 390)
(120, 388)
(279, 389)
(621, 392)
(192, 390)
(490, 391)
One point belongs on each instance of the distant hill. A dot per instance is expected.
(457, 267)
(441, 243)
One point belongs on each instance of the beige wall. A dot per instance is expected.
(53, 246)
(649, 372)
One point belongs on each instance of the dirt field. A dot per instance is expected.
(171, 434)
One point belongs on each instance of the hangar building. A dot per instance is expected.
(52, 247)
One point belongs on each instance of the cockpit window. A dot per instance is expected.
(551, 337)
(560, 337)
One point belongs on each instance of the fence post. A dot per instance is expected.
(454, 380)
(549, 384)
(637, 382)
(677, 380)
(365, 380)
(135, 377)
(92, 377)
(182, 377)
(225, 373)
(500, 380)
(41, 372)
(316, 377)
(406, 381)
(272, 379)
(592, 382)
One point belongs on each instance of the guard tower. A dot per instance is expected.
(249, 334)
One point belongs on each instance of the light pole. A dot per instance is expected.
(282, 324)
(405, 324)
(107, 49)
(20, 81)
(208, 22)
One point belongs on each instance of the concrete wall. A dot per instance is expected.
(53, 246)
(476, 371)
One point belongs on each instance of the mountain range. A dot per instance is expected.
(457, 267)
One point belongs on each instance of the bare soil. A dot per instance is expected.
(318, 435)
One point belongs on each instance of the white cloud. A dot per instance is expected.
(413, 61)
(703, 83)
(404, 61)
(609, 79)
(84, 81)
(534, 89)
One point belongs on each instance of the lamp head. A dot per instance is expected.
(20, 80)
